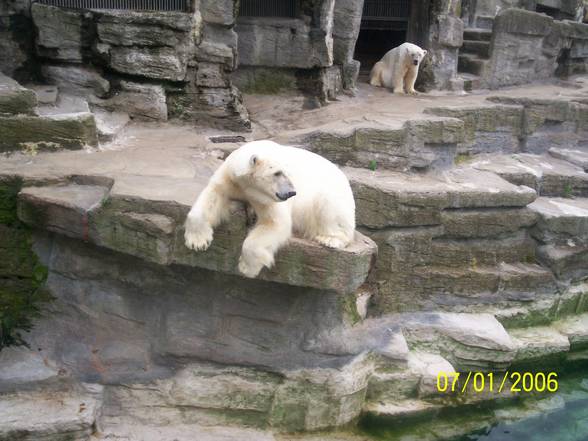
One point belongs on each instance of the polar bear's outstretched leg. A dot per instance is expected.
(411, 77)
(272, 231)
(210, 209)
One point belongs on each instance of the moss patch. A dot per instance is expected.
(22, 276)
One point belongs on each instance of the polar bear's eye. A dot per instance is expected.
(278, 174)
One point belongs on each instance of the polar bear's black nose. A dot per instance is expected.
(285, 196)
(416, 62)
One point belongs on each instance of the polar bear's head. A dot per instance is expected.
(416, 55)
(264, 180)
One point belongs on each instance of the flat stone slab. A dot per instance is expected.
(561, 219)
(577, 157)
(538, 343)
(548, 175)
(15, 99)
(386, 198)
(47, 414)
(120, 219)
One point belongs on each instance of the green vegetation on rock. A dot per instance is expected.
(22, 276)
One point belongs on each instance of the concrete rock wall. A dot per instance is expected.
(152, 65)
(530, 46)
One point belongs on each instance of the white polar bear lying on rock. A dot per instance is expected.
(398, 68)
(291, 190)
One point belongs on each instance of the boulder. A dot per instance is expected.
(59, 32)
(162, 63)
(141, 101)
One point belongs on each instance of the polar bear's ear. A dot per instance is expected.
(424, 52)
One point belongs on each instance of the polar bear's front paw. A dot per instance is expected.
(198, 237)
(413, 92)
(249, 267)
(253, 260)
(331, 241)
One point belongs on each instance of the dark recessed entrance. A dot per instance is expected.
(384, 25)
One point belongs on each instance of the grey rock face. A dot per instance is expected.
(59, 32)
(218, 11)
(289, 43)
(158, 63)
(142, 101)
(77, 80)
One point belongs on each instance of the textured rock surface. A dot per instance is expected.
(420, 144)
(77, 80)
(59, 33)
(14, 98)
(58, 414)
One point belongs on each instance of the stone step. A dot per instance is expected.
(15, 99)
(458, 289)
(547, 175)
(65, 104)
(153, 230)
(561, 220)
(577, 157)
(538, 346)
(386, 198)
(428, 142)
(477, 34)
(562, 231)
(210, 394)
(476, 47)
(48, 413)
(471, 64)
(47, 132)
(489, 128)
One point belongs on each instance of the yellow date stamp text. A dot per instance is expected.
(483, 382)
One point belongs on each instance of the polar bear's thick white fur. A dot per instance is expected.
(291, 190)
(398, 69)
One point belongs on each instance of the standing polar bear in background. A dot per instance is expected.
(398, 68)
(291, 190)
